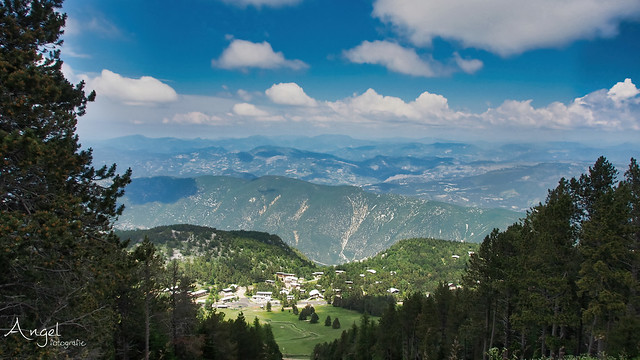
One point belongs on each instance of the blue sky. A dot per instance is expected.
(459, 70)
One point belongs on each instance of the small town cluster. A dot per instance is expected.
(290, 290)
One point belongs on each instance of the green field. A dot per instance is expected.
(297, 338)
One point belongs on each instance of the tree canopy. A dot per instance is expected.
(59, 254)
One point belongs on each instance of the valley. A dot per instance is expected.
(329, 224)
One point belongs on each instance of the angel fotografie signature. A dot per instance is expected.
(44, 336)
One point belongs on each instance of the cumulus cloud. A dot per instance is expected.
(406, 61)
(289, 94)
(242, 54)
(623, 91)
(250, 110)
(426, 109)
(394, 57)
(194, 118)
(259, 3)
(616, 109)
(142, 91)
(505, 27)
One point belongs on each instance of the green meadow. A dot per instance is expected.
(297, 338)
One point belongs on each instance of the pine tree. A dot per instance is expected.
(61, 259)
(149, 268)
(272, 348)
(603, 248)
(314, 318)
(625, 333)
(389, 341)
(327, 321)
(336, 324)
(547, 302)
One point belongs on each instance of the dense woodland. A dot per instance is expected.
(562, 281)
(220, 258)
(409, 266)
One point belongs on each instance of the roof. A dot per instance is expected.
(199, 292)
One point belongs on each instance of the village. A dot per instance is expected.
(285, 289)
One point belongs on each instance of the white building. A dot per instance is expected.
(262, 296)
(315, 294)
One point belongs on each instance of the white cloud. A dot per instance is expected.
(244, 95)
(505, 27)
(259, 3)
(469, 66)
(394, 57)
(246, 109)
(428, 108)
(94, 24)
(242, 54)
(289, 94)
(142, 91)
(617, 109)
(623, 91)
(605, 111)
(406, 61)
(194, 118)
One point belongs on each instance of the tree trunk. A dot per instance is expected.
(543, 342)
(523, 342)
(554, 326)
(591, 337)
(507, 329)
(486, 333)
(493, 329)
(146, 327)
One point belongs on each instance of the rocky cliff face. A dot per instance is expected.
(330, 224)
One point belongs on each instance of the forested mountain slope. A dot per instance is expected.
(224, 257)
(329, 224)
(410, 265)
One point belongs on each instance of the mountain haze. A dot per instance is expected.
(329, 224)
(487, 175)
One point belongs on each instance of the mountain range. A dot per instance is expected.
(487, 175)
(329, 224)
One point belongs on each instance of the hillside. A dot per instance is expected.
(247, 257)
(329, 224)
(224, 257)
(410, 265)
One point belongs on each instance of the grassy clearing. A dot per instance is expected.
(297, 338)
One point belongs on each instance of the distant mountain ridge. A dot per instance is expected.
(509, 176)
(329, 224)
